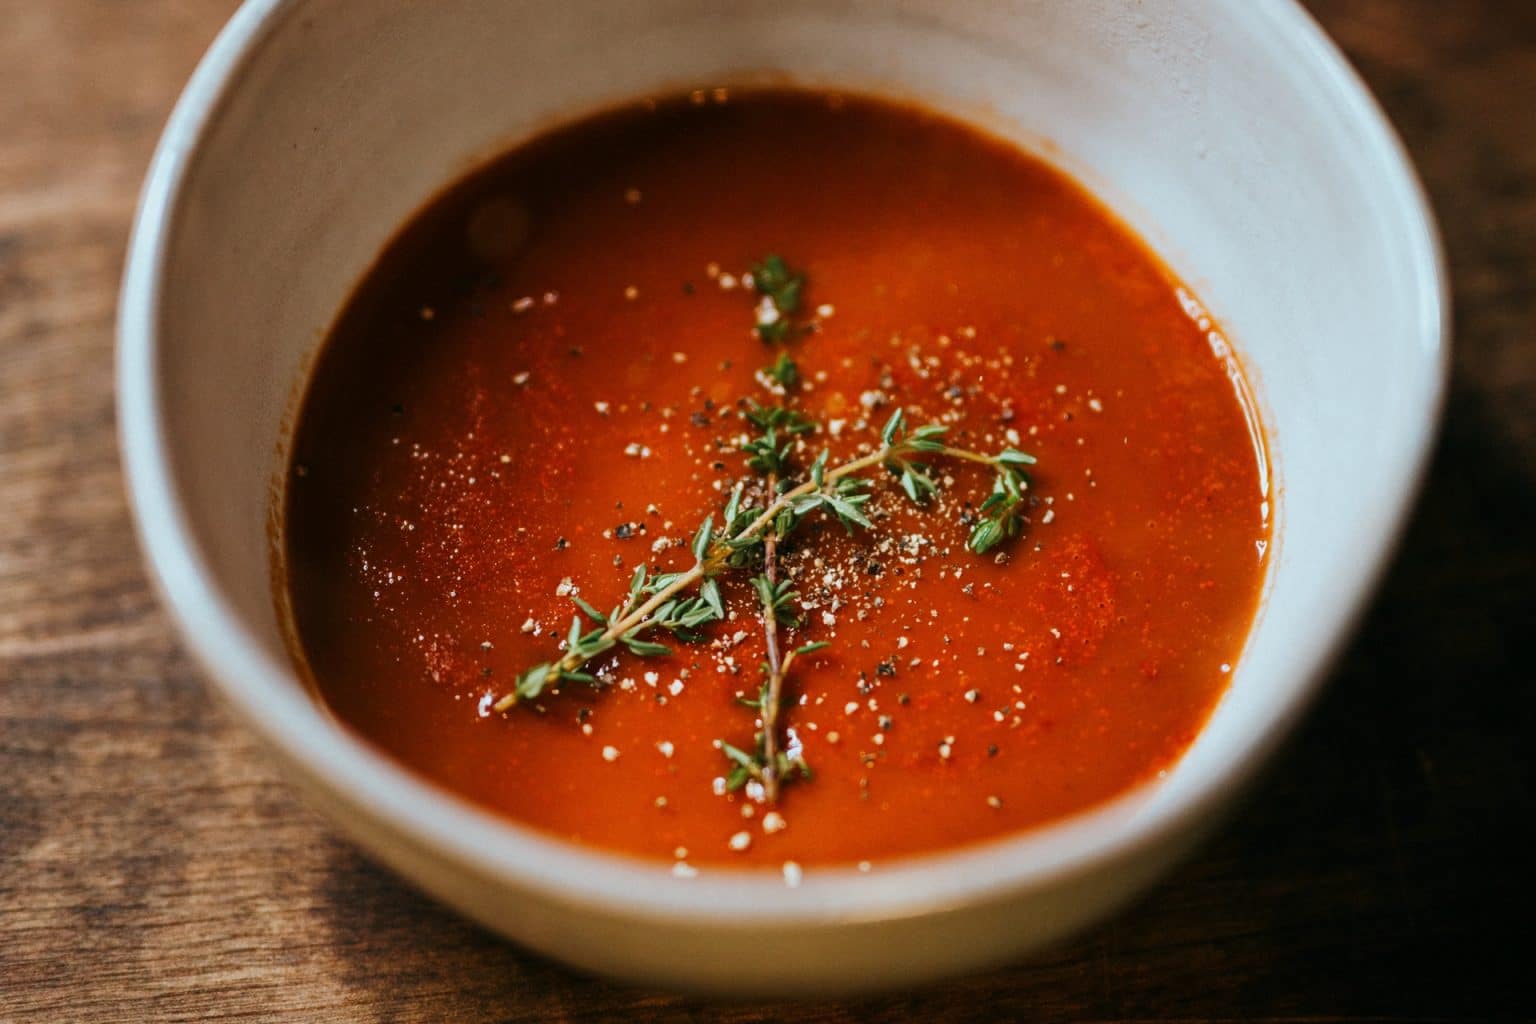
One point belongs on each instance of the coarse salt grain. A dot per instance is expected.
(610, 753)
(740, 841)
(767, 311)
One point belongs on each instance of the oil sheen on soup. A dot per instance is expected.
(569, 362)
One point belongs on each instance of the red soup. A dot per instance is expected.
(985, 500)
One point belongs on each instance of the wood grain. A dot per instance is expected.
(153, 867)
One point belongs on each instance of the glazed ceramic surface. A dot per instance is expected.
(1231, 135)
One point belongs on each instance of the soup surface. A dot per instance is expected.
(543, 385)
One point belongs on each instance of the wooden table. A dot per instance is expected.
(153, 867)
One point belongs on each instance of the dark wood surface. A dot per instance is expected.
(153, 867)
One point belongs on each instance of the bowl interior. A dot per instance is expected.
(1228, 135)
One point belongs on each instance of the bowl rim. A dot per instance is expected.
(264, 689)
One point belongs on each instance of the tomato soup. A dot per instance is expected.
(567, 364)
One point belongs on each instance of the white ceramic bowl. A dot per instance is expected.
(1231, 135)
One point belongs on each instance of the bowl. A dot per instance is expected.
(1232, 136)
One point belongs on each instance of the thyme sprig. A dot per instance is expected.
(652, 605)
(768, 765)
(1000, 516)
(683, 603)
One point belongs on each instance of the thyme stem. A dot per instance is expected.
(772, 693)
(968, 456)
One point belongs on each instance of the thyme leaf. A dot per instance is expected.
(784, 371)
(780, 289)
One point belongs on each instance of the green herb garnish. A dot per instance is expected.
(682, 604)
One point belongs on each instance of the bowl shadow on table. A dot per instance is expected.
(1378, 854)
